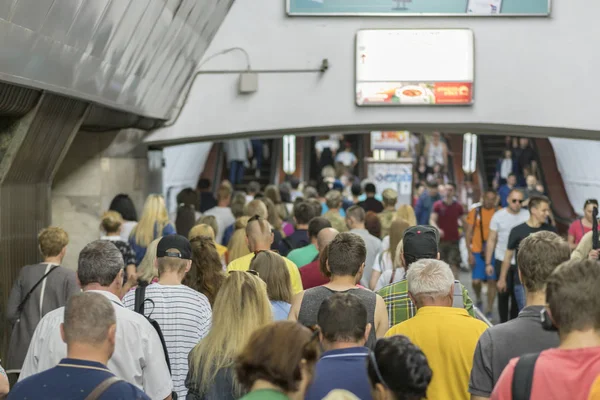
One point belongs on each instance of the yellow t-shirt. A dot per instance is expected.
(243, 264)
(448, 337)
(595, 390)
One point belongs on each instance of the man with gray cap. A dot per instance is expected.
(390, 198)
(420, 242)
(138, 357)
(183, 314)
(333, 200)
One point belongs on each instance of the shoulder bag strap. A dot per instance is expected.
(523, 376)
(393, 276)
(102, 387)
(480, 212)
(28, 295)
(140, 295)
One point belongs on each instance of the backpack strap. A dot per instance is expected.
(21, 305)
(102, 387)
(140, 296)
(523, 376)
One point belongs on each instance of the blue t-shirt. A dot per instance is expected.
(281, 310)
(341, 369)
(73, 379)
(324, 209)
(140, 251)
(227, 234)
(424, 208)
(503, 192)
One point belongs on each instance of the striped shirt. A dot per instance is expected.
(184, 316)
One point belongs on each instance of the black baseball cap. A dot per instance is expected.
(421, 242)
(174, 242)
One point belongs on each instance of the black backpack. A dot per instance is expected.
(523, 376)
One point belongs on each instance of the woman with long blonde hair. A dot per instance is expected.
(241, 307)
(147, 272)
(273, 193)
(238, 247)
(407, 213)
(384, 261)
(153, 223)
(206, 275)
(272, 270)
(204, 229)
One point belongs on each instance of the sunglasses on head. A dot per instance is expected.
(515, 201)
(591, 201)
(254, 218)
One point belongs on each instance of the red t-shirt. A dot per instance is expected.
(311, 275)
(558, 375)
(577, 230)
(448, 216)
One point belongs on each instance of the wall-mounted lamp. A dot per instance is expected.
(469, 163)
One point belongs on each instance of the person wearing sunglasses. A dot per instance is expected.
(398, 370)
(583, 225)
(539, 210)
(501, 224)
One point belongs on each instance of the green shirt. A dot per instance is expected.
(303, 255)
(265, 394)
(400, 307)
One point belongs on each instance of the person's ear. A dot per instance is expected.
(119, 278)
(379, 392)
(62, 332)
(368, 331)
(438, 255)
(272, 237)
(327, 265)
(188, 266)
(112, 334)
(403, 259)
(321, 337)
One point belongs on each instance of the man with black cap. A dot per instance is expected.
(371, 203)
(184, 315)
(419, 242)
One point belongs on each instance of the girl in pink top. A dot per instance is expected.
(583, 225)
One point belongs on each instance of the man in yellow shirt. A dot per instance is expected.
(447, 335)
(259, 238)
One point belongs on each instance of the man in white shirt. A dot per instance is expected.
(184, 315)
(222, 212)
(501, 224)
(138, 358)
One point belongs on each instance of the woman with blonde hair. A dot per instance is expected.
(147, 272)
(153, 223)
(206, 275)
(241, 307)
(272, 270)
(384, 261)
(407, 213)
(238, 247)
(272, 193)
(208, 230)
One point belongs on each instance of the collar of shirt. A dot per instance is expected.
(436, 310)
(111, 238)
(349, 352)
(531, 312)
(73, 362)
(111, 296)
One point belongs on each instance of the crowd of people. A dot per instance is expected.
(312, 291)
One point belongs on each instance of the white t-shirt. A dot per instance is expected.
(184, 316)
(502, 222)
(138, 358)
(126, 229)
(383, 261)
(224, 218)
(323, 144)
(346, 157)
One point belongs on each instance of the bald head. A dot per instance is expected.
(259, 235)
(325, 237)
(257, 207)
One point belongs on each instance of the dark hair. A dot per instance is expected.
(356, 189)
(285, 192)
(316, 225)
(402, 366)
(294, 182)
(274, 352)
(206, 275)
(204, 184)
(535, 201)
(512, 174)
(188, 197)
(342, 318)
(316, 204)
(373, 224)
(370, 188)
(322, 189)
(590, 201)
(357, 213)
(346, 254)
(304, 212)
(451, 184)
(489, 190)
(185, 220)
(123, 204)
(432, 185)
(572, 296)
